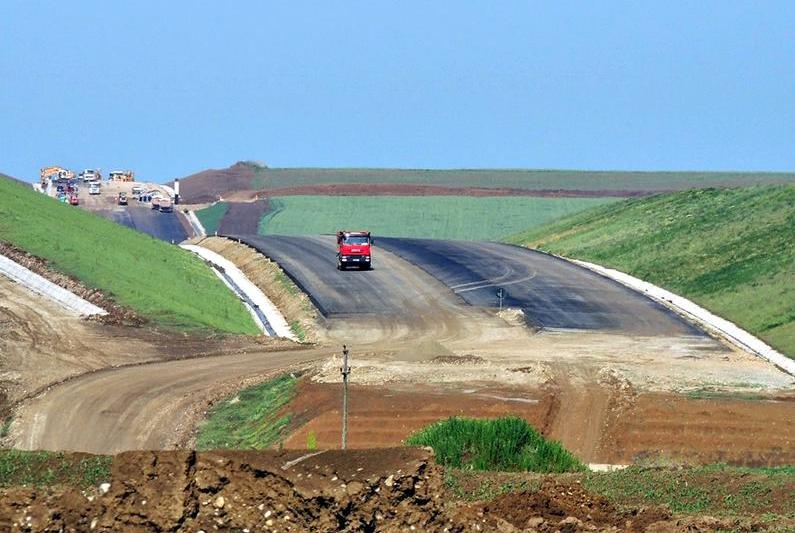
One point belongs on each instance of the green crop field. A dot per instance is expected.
(210, 217)
(729, 250)
(272, 178)
(449, 217)
(160, 281)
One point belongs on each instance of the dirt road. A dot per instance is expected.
(152, 406)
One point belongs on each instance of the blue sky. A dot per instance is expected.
(169, 88)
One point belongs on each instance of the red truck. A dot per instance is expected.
(353, 249)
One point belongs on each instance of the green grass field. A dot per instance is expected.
(271, 178)
(210, 217)
(729, 250)
(505, 444)
(449, 217)
(160, 281)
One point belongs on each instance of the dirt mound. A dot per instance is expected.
(209, 185)
(116, 314)
(567, 507)
(395, 489)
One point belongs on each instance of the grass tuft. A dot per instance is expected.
(503, 444)
(251, 419)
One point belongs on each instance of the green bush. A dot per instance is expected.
(502, 444)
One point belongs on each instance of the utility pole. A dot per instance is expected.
(345, 370)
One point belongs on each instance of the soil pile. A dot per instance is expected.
(395, 489)
(388, 490)
(210, 185)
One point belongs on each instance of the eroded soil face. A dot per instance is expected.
(397, 489)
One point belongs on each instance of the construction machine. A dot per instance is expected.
(55, 174)
(121, 175)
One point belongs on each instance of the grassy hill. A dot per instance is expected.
(208, 185)
(271, 178)
(448, 217)
(730, 250)
(158, 280)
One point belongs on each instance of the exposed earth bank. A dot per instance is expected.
(397, 489)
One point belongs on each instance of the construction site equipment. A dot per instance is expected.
(91, 174)
(121, 175)
(56, 174)
(353, 249)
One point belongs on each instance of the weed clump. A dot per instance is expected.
(502, 444)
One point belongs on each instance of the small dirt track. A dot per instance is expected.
(138, 407)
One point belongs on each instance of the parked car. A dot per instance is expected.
(93, 189)
(122, 198)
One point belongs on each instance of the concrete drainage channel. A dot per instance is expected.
(264, 312)
(48, 289)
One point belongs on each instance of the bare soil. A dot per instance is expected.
(606, 424)
(243, 218)
(405, 189)
(397, 489)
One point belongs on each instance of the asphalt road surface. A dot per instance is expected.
(394, 287)
(553, 293)
(163, 226)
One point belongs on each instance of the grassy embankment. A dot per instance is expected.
(273, 178)
(501, 444)
(210, 217)
(729, 250)
(251, 419)
(159, 281)
(449, 217)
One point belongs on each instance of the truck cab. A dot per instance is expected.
(353, 249)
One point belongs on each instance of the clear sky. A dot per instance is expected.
(169, 87)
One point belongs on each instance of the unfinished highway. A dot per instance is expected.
(424, 300)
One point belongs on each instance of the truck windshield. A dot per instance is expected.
(356, 240)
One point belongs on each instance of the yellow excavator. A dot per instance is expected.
(55, 173)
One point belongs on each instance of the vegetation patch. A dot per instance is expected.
(713, 489)
(50, 468)
(443, 217)
(159, 281)
(729, 250)
(210, 217)
(502, 444)
(251, 419)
